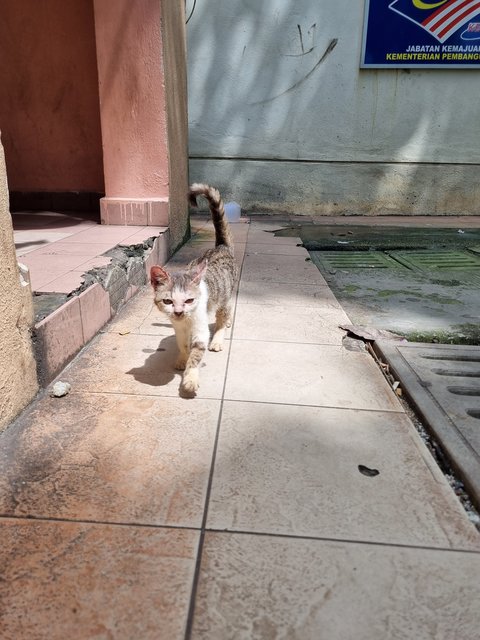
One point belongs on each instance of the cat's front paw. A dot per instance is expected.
(216, 346)
(181, 363)
(190, 382)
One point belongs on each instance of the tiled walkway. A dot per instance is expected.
(131, 513)
(58, 249)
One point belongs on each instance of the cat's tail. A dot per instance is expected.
(223, 234)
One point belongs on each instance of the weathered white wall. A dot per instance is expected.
(282, 118)
(18, 373)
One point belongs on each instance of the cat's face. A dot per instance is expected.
(175, 301)
(176, 295)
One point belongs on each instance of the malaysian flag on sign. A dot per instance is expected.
(441, 18)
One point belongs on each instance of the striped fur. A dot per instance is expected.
(206, 285)
(215, 202)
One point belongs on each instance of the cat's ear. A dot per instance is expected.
(199, 271)
(158, 276)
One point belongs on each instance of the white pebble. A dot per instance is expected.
(60, 389)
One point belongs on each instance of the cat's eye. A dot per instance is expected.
(189, 300)
(167, 301)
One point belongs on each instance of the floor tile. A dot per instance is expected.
(287, 294)
(64, 280)
(104, 233)
(256, 587)
(274, 248)
(93, 263)
(198, 220)
(60, 263)
(240, 231)
(39, 278)
(194, 250)
(187, 253)
(278, 268)
(77, 581)
(65, 283)
(53, 219)
(21, 251)
(257, 235)
(38, 237)
(204, 234)
(74, 249)
(239, 253)
(289, 324)
(69, 226)
(274, 221)
(141, 365)
(140, 316)
(140, 236)
(104, 458)
(306, 374)
(295, 471)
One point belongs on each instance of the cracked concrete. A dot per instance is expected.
(66, 322)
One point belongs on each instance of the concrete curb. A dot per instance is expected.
(61, 334)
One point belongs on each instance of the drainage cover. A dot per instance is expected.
(443, 382)
(433, 260)
(332, 260)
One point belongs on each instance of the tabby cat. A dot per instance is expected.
(207, 284)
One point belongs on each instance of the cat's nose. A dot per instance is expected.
(179, 314)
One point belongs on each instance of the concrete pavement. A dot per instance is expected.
(129, 512)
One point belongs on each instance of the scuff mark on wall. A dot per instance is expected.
(298, 55)
(331, 46)
(311, 32)
(301, 37)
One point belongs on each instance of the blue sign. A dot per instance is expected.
(421, 33)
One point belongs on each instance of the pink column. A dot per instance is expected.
(133, 110)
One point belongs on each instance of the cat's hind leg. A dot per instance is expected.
(222, 321)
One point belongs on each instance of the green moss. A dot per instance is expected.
(350, 288)
(416, 293)
(457, 334)
(435, 297)
(386, 293)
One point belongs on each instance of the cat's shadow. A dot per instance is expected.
(158, 369)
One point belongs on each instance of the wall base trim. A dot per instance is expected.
(135, 211)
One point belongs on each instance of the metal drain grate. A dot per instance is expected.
(346, 260)
(463, 264)
(443, 381)
(437, 260)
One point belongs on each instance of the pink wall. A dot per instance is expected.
(49, 106)
(132, 98)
